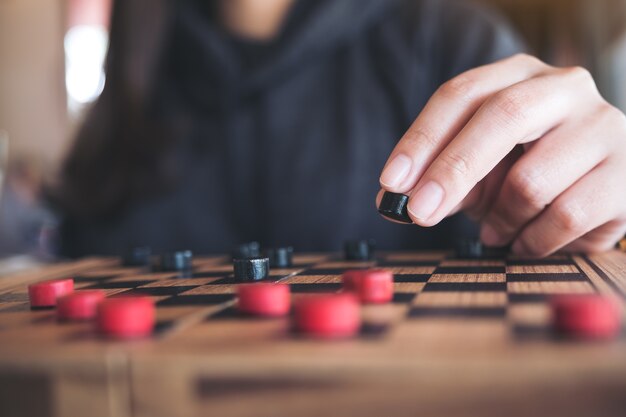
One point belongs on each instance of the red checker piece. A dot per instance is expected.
(264, 299)
(587, 316)
(126, 317)
(370, 285)
(328, 316)
(79, 305)
(45, 294)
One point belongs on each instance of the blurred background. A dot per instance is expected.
(51, 69)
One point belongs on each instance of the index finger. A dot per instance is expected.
(519, 114)
(445, 114)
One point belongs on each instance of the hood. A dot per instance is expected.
(209, 67)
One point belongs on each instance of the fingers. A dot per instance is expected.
(599, 240)
(594, 200)
(481, 197)
(565, 192)
(445, 114)
(518, 114)
(550, 167)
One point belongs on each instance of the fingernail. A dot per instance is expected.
(489, 235)
(426, 200)
(396, 171)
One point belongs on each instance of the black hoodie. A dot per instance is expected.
(288, 138)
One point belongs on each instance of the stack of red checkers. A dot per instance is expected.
(79, 305)
(264, 299)
(126, 317)
(45, 294)
(587, 316)
(369, 285)
(328, 316)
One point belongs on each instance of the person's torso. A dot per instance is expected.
(293, 160)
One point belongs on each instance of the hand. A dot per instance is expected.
(531, 151)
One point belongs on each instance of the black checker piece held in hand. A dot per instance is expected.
(251, 269)
(394, 207)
